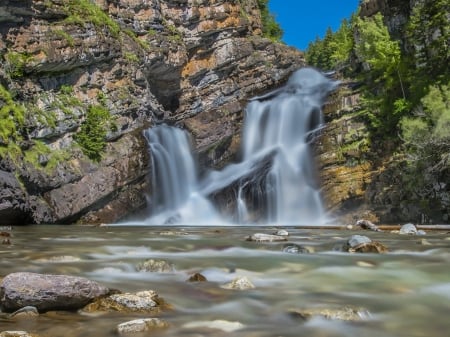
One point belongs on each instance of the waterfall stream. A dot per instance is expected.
(275, 182)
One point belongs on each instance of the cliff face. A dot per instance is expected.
(363, 176)
(190, 62)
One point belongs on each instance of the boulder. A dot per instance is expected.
(141, 325)
(48, 292)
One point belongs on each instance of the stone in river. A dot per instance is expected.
(292, 248)
(146, 301)
(363, 244)
(17, 334)
(341, 314)
(239, 283)
(218, 324)
(141, 325)
(25, 313)
(408, 229)
(48, 292)
(197, 277)
(155, 266)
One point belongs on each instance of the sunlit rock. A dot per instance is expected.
(239, 283)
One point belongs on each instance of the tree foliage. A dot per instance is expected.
(271, 29)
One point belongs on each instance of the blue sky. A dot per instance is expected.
(303, 20)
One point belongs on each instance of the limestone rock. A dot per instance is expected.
(363, 244)
(48, 292)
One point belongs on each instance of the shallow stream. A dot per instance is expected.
(405, 292)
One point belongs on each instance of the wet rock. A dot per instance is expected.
(141, 325)
(408, 229)
(424, 242)
(366, 224)
(25, 312)
(342, 314)
(219, 324)
(48, 292)
(59, 259)
(292, 248)
(261, 237)
(142, 302)
(155, 266)
(363, 244)
(17, 334)
(197, 277)
(239, 283)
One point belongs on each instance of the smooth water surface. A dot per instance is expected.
(405, 292)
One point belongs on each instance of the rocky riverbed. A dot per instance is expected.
(212, 281)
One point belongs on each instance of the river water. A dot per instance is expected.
(405, 292)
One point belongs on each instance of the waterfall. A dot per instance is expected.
(276, 178)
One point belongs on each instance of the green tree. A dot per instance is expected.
(92, 134)
(428, 31)
(342, 44)
(271, 29)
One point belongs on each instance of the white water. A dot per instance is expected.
(277, 130)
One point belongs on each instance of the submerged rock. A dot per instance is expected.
(261, 237)
(48, 292)
(17, 334)
(197, 277)
(155, 266)
(239, 283)
(25, 312)
(141, 325)
(218, 324)
(342, 314)
(292, 248)
(142, 302)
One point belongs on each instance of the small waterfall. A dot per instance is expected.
(175, 194)
(276, 176)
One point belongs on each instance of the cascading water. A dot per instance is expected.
(276, 173)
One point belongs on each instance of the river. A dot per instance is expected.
(405, 292)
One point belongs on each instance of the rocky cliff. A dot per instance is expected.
(73, 71)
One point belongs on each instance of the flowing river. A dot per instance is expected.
(404, 292)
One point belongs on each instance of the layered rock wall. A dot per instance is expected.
(193, 63)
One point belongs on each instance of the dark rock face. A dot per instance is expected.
(192, 64)
(48, 292)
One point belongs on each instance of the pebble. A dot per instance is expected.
(342, 314)
(282, 232)
(197, 277)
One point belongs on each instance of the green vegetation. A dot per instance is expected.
(271, 29)
(405, 89)
(12, 118)
(92, 134)
(81, 12)
(16, 62)
(64, 35)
